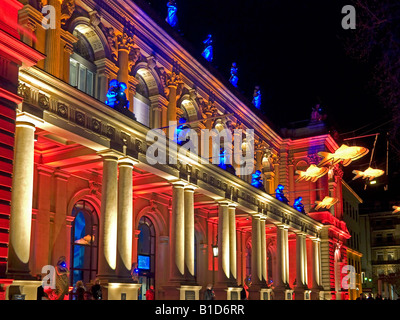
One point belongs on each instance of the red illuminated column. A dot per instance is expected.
(301, 265)
(263, 251)
(108, 217)
(316, 270)
(125, 216)
(21, 197)
(256, 272)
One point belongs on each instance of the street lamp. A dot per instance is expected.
(215, 254)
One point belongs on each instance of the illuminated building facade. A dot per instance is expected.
(82, 187)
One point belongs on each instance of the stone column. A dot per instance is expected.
(256, 271)
(67, 40)
(281, 280)
(125, 42)
(189, 232)
(108, 217)
(223, 244)
(59, 244)
(301, 265)
(42, 223)
(53, 42)
(173, 82)
(125, 217)
(263, 256)
(316, 270)
(106, 71)
(132, 84)
(21, 198)
(158, 103)
(232, 243)
(177, 233)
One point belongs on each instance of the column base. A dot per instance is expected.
(316, 293)
(283, 293)
(122, 291)
(189, 292)
(302, 293)
(227, 292)
(266, 294)
(22, 290)
(255, 291)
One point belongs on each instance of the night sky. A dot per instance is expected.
(295, 51)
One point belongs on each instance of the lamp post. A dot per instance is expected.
(215, 254)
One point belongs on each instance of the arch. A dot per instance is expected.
(150, 78)
(87, 195)
(302, 165)
(156, 216)
(190, 108)
(94, 36)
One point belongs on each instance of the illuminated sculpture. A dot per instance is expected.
(370, 173)
(208, 51)
(298, 205)
(317, 114)
(234, 78)
(116, 97)
(224, 162)
(172, 18)
(257, 97)
(280, 195)
(396, 209)
(256, 180)
(312, 173)
(344, 153)
(180, 132)
(327, 203)
(62, 280)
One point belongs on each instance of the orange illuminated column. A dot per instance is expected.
(125, 223)
(21, 197)
(158, 104)
(52, 62)
(108, 218)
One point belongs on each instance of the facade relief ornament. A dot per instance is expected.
(44, 101)
(24, 91)
(67, 9)
(112, 42)
(94, 18)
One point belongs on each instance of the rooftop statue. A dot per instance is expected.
(234, 78)
(208, 51)
(172, 18)
(298, 205)
(116, 96)
(257, 97)
(256, 180)
(279, 194)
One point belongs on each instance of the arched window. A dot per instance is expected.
(146, 254)
(82, 73)
(142, 97)
(84, 246)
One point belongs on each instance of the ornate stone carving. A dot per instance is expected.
(44, 101)
(67, 9)
(134, 55)
(112, 42)
(125, 40)
(94, 187)
(96, 125)
(80, 118)
(24, 91)
(95, 18)
(62, 110)
(110, 132)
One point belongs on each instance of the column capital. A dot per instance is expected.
(282, 226)
(127, 161)
(178, 184)
(190, 187)
(61, 175)
(44, 170)
(110, 154)
(27, 119)
(315, 239)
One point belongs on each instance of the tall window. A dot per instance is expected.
(82, 69)
(146, 250)
(141, 101)
(84, 237)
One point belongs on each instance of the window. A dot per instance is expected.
(390, 256)
(378, 238)
(389, 237)
(81, 74)
(379, 256)
(84, 237)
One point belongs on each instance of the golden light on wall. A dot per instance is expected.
(344, 153)
(312, 173)
(396, 209)
(369, 174)
(326, 203)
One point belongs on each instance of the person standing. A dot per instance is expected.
(150, 293)
(96, 290)
(209, 293)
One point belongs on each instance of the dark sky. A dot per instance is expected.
(295, 51)
(292, 49)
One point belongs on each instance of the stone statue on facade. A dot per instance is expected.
(116, 97)
(208, 50)
(257, 97)
(298, 205)
(172, 17)
(234, 78)
(280, 195)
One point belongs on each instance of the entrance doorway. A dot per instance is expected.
(146, 256)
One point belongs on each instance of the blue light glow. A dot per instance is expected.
(208, 51)
(257, 97)
(298, 205)
(279, 194)
(116, 96)
(234, 78)
(256, 180)
(172, 18)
